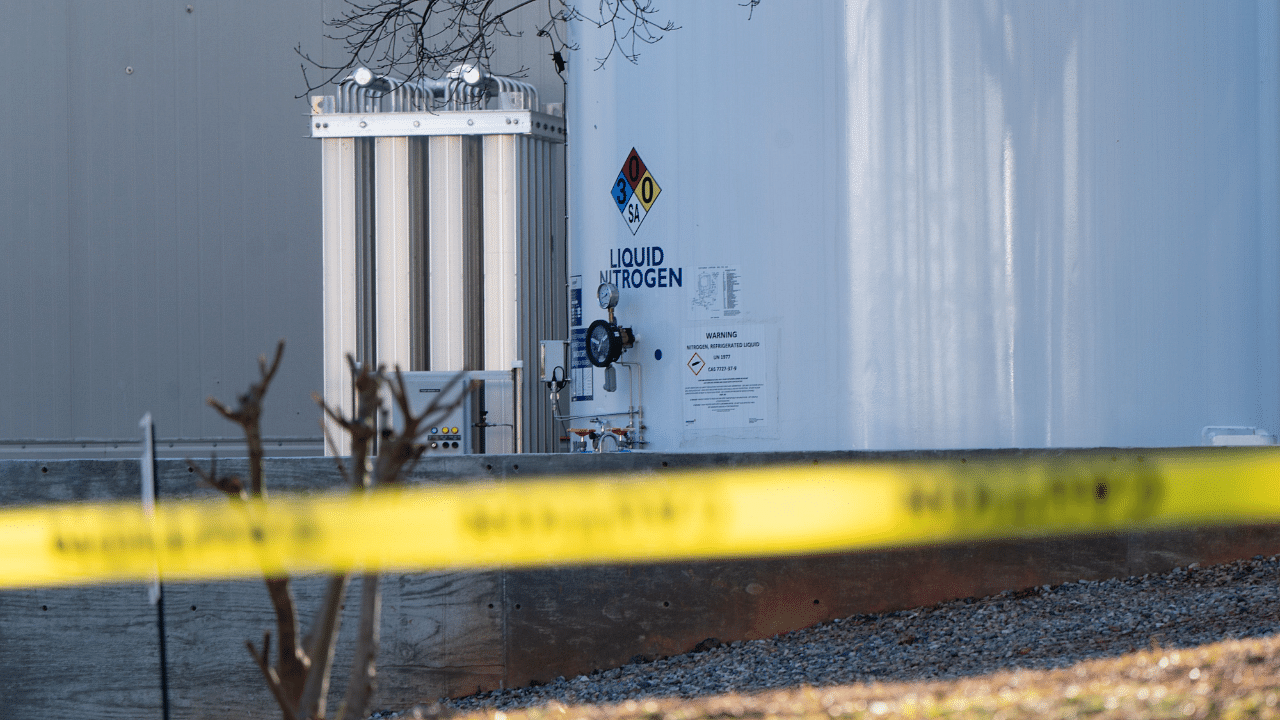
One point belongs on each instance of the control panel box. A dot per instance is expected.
(553, 360)
(450, 429)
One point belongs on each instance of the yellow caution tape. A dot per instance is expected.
(676, 515)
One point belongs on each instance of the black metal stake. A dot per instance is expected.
(164, 665)
(150, 495)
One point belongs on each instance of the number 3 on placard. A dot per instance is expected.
(620, 191)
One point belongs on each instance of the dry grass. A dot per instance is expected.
(1232, 679)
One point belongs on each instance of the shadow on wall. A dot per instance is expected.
(1059, 228)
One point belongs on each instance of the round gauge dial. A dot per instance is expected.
(604, 343)
(608, 295)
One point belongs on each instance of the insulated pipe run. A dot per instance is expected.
(467, 87)
(432, 89)
(365, 78)
(362, 91)
(355, 98)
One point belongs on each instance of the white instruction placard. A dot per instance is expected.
(715, 293)
(726, 376)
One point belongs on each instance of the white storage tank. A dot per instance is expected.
(875, 225)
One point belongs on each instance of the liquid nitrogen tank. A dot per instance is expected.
(903, 225)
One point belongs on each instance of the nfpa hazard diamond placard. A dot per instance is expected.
(634, 191)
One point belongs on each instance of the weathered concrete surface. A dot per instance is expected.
(92, 651)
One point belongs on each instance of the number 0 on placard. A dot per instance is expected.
(634, 191)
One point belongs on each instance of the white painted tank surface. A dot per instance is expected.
(880, 225)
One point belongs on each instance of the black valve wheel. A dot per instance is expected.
(604, 343)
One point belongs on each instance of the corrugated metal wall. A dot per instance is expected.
(524, 211)
(161, 217)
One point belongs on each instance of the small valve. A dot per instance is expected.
(583, 433)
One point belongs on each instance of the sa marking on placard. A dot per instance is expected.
(634, 191)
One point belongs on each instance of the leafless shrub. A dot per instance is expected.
(299, 681)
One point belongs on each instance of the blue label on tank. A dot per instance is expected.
(581, 377)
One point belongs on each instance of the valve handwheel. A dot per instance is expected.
(604, 343)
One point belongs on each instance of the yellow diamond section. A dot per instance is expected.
(647, 190)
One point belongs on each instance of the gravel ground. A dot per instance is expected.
(1038, 629)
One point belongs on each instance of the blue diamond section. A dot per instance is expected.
(622, 192)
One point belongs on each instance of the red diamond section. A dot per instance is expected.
(633, 168)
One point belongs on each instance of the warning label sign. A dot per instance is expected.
(581, 373)
(726, 384)
(696, 363)
(634, 191)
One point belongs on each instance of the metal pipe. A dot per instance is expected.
(431, 89)
(517, 405)
(365, 78)
(635, 411)
(451, 95)
(465, 89)
(134, 441)
(344, 96)
(590, 415)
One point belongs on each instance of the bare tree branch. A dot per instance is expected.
(269, 674)
(300, 680)
(363, 678)
(292, 663)
(329, 442)
(321, 643)
(630, 21)
(367, 382)
(232, 485)
(248, 415)
(420, 38)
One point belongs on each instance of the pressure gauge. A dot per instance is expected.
(608, 294)
(604, 342)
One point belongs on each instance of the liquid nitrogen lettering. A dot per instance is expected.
(641, 267)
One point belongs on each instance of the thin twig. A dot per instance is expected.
(269, 674)
(420, 38)
(320, 644)
(362, 681)
(231, 485)
(291, 666)
(292, 662)
(248, 415)
(329, 441)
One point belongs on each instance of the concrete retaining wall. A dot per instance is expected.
(93, 651)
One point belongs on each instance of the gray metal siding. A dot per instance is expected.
(160, 228)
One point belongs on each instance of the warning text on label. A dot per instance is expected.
(726, 382)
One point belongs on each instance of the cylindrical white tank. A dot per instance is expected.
(878, 225)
